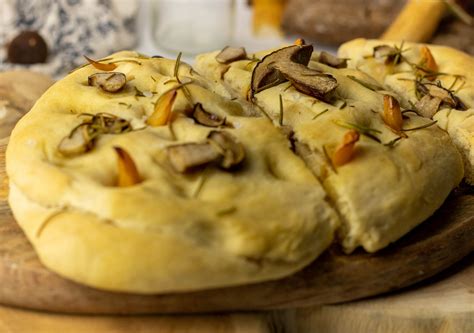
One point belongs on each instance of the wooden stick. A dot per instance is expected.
(417, 21)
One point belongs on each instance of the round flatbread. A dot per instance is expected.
(157, 226)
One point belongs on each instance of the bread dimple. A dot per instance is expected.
(264, 220)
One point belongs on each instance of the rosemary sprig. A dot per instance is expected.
(367, 85)
(281, 111)
(176, 66)
(176, 75)
(227, 211)
(365, 131)
(420, 127)
(343, 105)
(201, 182)
(392, 143)
(138, 92)
(319, 114)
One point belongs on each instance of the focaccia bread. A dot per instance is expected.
(396, 178)
(435, 81)
(141, 179)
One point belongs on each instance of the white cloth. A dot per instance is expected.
(71, 29)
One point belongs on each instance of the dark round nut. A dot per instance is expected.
(28, 47)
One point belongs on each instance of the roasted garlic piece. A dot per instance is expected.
(162, 112)
(427, 65)
(344, 153)
(392, 114)
(127, 170)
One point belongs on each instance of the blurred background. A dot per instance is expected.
(51, 36)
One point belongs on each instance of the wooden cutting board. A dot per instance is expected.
(334, 277)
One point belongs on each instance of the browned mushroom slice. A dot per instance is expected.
(110, 82)
(76, 143)
(205, 118)
(231, 54)
(444, 94)
(232, 150)
(331, 60)
(187, 156)
(308, 81)
(382, 51)
(427, 106)
(265, 75)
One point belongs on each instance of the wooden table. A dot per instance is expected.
(444, 304)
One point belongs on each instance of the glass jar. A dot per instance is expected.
(193, 26)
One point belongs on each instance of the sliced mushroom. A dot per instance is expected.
(345, 152)
(385, 52)
(185, 157)
(127, 170)
(427, 106)
(78, 142)
(331, 60)
(436, 90)
(110, 82)
(232, 150)
(205, 118)
(265, 75)
(306, 80)
(444, 94)
(392, 114)
(231, 54)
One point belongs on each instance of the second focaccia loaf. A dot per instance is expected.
(449, 76)
(394, 181)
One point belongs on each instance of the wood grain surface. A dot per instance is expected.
(443, 304)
